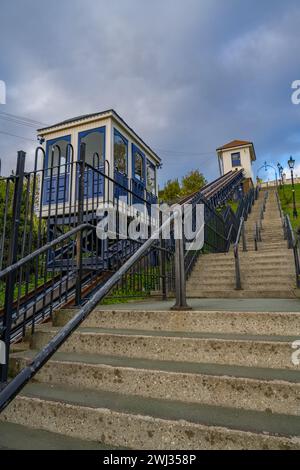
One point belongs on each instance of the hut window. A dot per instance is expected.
(151, 177)
(95, 145)
(138, 165)
(120, 153)
(59, 158)
(236, 159)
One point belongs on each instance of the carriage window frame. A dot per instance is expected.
(51, 143)
(118, 134)
(100, 130)
(149, 163)
(136, 150)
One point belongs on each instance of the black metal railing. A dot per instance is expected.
(258, 226)
(241, 233)
(15, 385)
(51, 252)
(293, 244)
(244, 209)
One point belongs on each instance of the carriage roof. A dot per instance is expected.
(83, 119)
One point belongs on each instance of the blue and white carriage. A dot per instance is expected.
(110, 145)
(119, 169)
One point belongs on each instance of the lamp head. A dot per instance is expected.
(291, 163)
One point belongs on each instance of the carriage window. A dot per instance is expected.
(94, 145)
(151, 177)
(138, 165)
(120, 153)
(55, 160)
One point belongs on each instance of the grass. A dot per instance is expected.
(286, 198)
(233, 205)
(120, 300)
(21, 289)
(136, 286)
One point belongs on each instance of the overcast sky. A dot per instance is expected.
(187, 75)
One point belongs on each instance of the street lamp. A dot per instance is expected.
(291, 163)
(280, 170)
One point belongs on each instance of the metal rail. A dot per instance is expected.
(67, 249)
(241, 232)
(219, 190)
(258, 223)
(16, 385)
(293, 244)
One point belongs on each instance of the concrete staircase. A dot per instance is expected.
(161, 380)
(266, 273)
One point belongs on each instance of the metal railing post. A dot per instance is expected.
(12, 258)
(80, 221)
(255, 237)
(238, 284)
(180, 280)
(162, 261)
(244, 237)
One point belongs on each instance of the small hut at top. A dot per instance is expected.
(237, 155)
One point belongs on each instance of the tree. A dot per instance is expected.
(171, 192)
(192, 182)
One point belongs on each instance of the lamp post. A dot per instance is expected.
(291, 163)
(280, 170)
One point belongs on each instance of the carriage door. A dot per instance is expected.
(57, 171)
(120, 166)
(138, 172)
(94, 158)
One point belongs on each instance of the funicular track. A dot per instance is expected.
(219, 190)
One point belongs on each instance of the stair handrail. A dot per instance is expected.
(258, 223)
(293, 244)
(257, 235)
(18, 382)
(281, 214)
(241, 232)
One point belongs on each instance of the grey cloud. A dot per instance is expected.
(187, 75)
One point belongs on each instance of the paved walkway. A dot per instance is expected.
(231, 305)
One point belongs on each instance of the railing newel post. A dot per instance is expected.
(180, 278)
(162, 260)
(80, 217)
(244, 237)
(12, 258)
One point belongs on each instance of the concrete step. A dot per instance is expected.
(146, 423)
(267, 236)
(265, 242)
(265, 277)
(253, 258)
(284, 256)
(227, 257)
(241, 294)
(273, 244)
(265, 246)
(220, 348)
(250, 259)
(216, 272)
(271, 220)
(265, 323)
(17, 437)
(247, 283)
(177, 381)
